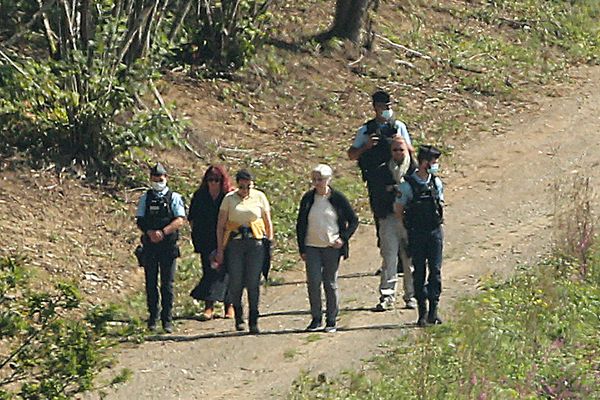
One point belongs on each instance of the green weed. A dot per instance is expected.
(534, 336)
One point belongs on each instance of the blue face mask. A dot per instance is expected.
(434, 168)
(387, 114)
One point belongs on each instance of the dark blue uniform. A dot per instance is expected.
(156, 210)
(423, 206)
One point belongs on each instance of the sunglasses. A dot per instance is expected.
(397, 149)
(214, 180)
(319, 179)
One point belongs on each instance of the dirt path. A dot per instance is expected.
(499, 212)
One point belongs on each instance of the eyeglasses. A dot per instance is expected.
(244, 187)
(218, 180)
(319, 179)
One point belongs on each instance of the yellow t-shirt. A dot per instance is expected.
(244, 211)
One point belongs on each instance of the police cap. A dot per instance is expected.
(428, 152)
(158, 170)
(381, 96)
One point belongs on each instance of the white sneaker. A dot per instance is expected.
(330, 329)
(384, 305)
(411, 304)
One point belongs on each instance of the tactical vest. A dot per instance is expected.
(425, 211)
(159, 213)
(372, 158)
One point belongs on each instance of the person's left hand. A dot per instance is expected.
(338, 243)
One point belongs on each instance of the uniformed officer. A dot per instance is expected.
(371, 146)
(160, 214)
(420, 202)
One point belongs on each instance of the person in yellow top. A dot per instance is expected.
(244, 221)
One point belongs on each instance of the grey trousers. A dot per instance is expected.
(394, 242)
(322, 268)
(245, 258)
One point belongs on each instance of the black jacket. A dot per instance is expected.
(347, 219)
(203, 214)
(381, 199)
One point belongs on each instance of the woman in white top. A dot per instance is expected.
(325, 223)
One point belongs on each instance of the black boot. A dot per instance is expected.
(432, 316)
(239, 319)
(422, 309)
(152, 322)
(253, 322)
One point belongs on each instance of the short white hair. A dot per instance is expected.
(324, 170)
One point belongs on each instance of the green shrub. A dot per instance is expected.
(225, 34)
(48, 351)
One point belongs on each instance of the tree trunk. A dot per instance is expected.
(349, 17)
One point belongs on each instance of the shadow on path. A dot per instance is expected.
(230, 334)
(303, 282)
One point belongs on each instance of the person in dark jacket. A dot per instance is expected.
(392, 233)
(203, 214)
(160, 214)
(325, 223)
(420, 203)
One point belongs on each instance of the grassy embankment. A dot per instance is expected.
(533, 337)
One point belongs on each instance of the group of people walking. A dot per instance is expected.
(232, 231)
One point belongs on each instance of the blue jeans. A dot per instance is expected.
(426, 250)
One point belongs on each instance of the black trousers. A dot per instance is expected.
(161, 261)
(426, 248)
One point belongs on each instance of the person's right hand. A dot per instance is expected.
(219, 257)
(373, 140)
(303, 256)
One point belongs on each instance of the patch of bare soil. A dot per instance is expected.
(499, 214)
(70, 232)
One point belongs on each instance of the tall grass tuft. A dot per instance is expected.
(575, 222)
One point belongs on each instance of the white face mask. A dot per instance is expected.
(387, 114)
(159, 186)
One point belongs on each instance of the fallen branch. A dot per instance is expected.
(428, 57)
(356, 61)
(405, 63)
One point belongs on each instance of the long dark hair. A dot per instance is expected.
(218, 171)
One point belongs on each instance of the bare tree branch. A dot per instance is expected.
(179, 21)
(13, 39)
(126, 43)
(19, 69)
